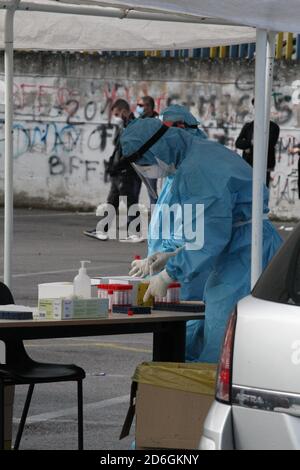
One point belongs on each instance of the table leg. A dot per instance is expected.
(2, 417)
(169, 342)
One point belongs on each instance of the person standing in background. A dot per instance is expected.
(124, 180)
(146, 109)
(245, 143)
(295, 149)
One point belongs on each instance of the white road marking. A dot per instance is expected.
(58, 214)
(42, 273)
(90, 344)
(70, 411)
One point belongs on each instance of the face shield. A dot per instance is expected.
(148, 172)
(145, 180)
(152, 171)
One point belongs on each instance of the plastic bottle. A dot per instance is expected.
(82, 283)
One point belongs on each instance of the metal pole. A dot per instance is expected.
(8, 135)
(117, 12)
(271, 44)
(259, 157)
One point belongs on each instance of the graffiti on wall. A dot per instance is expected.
(62, 129)
(223, 109)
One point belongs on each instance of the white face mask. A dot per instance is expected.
(117, 120)
(139, 110)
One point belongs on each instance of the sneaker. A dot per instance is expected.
(98, 234)
(132, 239)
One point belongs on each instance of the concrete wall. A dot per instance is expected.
(62, 103)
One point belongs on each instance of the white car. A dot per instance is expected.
(257, 403)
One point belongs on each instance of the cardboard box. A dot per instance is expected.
(169, 419)
(64, 309)
(55, 290)
(51, 309)
(89, 308)
(170, 401)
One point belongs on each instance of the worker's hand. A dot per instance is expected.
(151, 265)
(158, 285)
(158, 261)
(140, 268)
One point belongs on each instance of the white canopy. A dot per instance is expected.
(54, 31)
(275, 15)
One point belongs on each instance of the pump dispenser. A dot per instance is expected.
(82, 283)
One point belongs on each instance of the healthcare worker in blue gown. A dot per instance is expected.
(160, 248)
(206, 173)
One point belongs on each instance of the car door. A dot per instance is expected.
(266, 361)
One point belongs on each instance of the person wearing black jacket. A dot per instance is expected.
(123, 178)
(146, 109)
(245, 143)
(293, 150)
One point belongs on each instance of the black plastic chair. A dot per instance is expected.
(20, 369)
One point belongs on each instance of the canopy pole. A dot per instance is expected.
(271, 46)
(115, 12)
(259, 156)
(8, 135)
(263, 70)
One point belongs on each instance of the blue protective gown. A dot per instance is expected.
(194, 289)
(210, 174)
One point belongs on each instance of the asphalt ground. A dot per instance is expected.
(48, 247)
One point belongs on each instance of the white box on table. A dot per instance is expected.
(55, 290)
(64, 309)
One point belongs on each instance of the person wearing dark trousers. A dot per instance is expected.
(146, 108)
(245, 143)
(124, 180)
(295, 149)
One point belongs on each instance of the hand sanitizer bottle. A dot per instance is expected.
(82, 283)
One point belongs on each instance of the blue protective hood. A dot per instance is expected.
(170, 148)
(177, 112)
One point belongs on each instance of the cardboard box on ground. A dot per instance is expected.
(172, 401)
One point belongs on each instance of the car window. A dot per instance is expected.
(280, 282)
